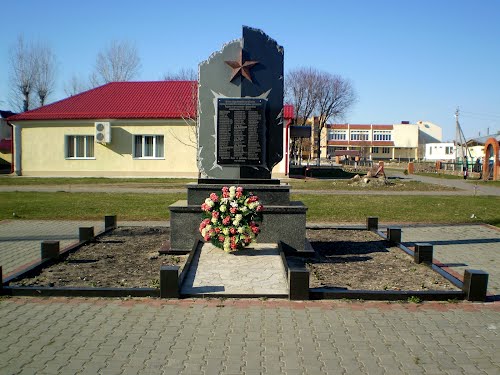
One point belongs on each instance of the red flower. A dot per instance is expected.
(234, 246)
(206, 221)
(233, 210)
(232, 230)
(215, 214)
(225, 194)
(225, 189)
(256, 230)
(226, 220)
(221, 238)
(239, 189)
(214, 197)
(207, 237)
(238, 195)
(259, 208)
(217, 230)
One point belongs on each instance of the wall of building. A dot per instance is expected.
(44, 149)
(440, 151)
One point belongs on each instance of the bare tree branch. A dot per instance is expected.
(184, 74)
(75, 86)
(45, 79)
(119, 62)
(22, 75)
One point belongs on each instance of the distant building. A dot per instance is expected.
(403, 141)
(440, 151)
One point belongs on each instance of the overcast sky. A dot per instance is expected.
(408, 60)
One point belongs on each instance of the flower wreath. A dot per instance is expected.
(231, 218)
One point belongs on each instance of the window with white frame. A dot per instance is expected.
(337, 135)
(386, 150)
(79, 147)
(382, 135)
(375, 150)
(149, 147)
(359, 135)
(448, 150)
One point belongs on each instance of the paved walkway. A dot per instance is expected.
(217, 336)
(462, 246)
(152, 336)
(20, 239)
(250, 271)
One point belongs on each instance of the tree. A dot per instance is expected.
(335, 96)
(181, 75)
(119, 62)
(301, 91)
(45, 77)
(32, 72)
(320, 94)
(22, 75)
(75, 86)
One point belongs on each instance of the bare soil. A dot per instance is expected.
(355, 259)
(352, 259)
(127, 257)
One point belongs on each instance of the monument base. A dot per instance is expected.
(283, 220)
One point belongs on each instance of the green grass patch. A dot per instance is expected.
(48, 181)
(402, 209)
(86, 206)
(321, 207)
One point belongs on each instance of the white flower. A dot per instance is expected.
(234, 204)
(222, 208)
(225, 231)
(214, 220)
(224, 200)
(209, 202)
(208, 227)
(238, 217)
(232, 190)
(241, 230)
(243, 209)
(204, 231)
(236, 222)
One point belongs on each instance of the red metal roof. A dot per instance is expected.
(123, 100)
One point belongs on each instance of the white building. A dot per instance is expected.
(440, 151)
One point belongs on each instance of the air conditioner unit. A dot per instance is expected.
(103, 132)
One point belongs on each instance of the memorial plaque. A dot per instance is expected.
(240, 131)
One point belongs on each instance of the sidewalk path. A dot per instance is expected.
(460, 247)
(152, 336)
(20, 239)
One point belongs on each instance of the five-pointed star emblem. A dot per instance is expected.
(240, 67)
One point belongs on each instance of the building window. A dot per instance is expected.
(382, 135)
(448, 150)
(374, 150)
(79, 146)
(337, 135)
(148, 147)
(386, 150)
(359, 135)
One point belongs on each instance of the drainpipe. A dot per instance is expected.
(289, 122)
(17, 150)
(11, 147)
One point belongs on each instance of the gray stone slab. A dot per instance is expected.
(255, 270)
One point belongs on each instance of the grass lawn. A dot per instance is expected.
(327, 208)
(444, 175)
(485, 183)
(58, 181)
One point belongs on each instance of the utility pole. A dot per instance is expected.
(460, 139)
